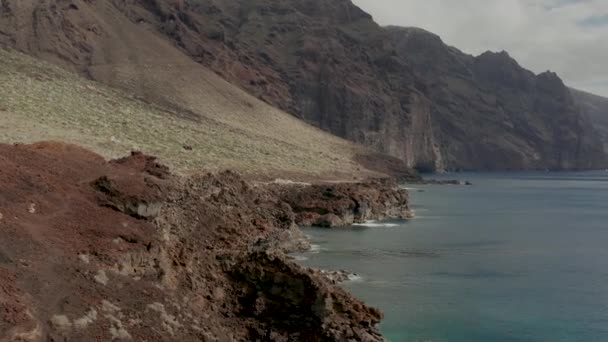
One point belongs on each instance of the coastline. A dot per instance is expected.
(159, 248)
(492, 248)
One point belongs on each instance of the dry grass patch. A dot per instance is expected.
(39, 101)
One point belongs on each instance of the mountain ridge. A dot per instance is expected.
(346, 75)
(331, 65)
(535, 116)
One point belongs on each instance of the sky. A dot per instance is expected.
(569, 37)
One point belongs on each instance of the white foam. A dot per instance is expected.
(299, 258)
(375, 224)
(315, 249)
(355, 278)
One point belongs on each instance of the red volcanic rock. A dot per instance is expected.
(92, 250)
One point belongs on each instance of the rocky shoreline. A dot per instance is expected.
(334, 205)
(132, 252)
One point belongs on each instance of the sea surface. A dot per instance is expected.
(515, 257)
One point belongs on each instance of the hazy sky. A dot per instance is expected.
(566, 36)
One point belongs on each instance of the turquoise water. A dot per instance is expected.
(520, 257)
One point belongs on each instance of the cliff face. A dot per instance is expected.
(328, 63)
(493, 114)
(596, 109)
(401, 91)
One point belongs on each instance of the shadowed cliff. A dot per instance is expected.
(494, 114)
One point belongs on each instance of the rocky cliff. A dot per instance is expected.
(344, 204)
(494, 114)
(401, 91)
(596, 109)
(328, 63)
(125, 250)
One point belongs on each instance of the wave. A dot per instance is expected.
(355, 278)
(299, 257)
(315, 249)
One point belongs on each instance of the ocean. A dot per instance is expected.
(515, 257)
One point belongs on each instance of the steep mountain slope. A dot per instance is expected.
(327, 62)
(220, 125)
(596, 108)
(492, 113)
(130, 44)
(399, 91)
(42, 102)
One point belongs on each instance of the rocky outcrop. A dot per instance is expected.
(278, 294)
(341, 276)
(343, 204)
(208, 265)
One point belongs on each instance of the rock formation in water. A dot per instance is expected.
(343, 204)
(125, 250)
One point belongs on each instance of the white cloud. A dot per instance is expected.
(569, 37)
